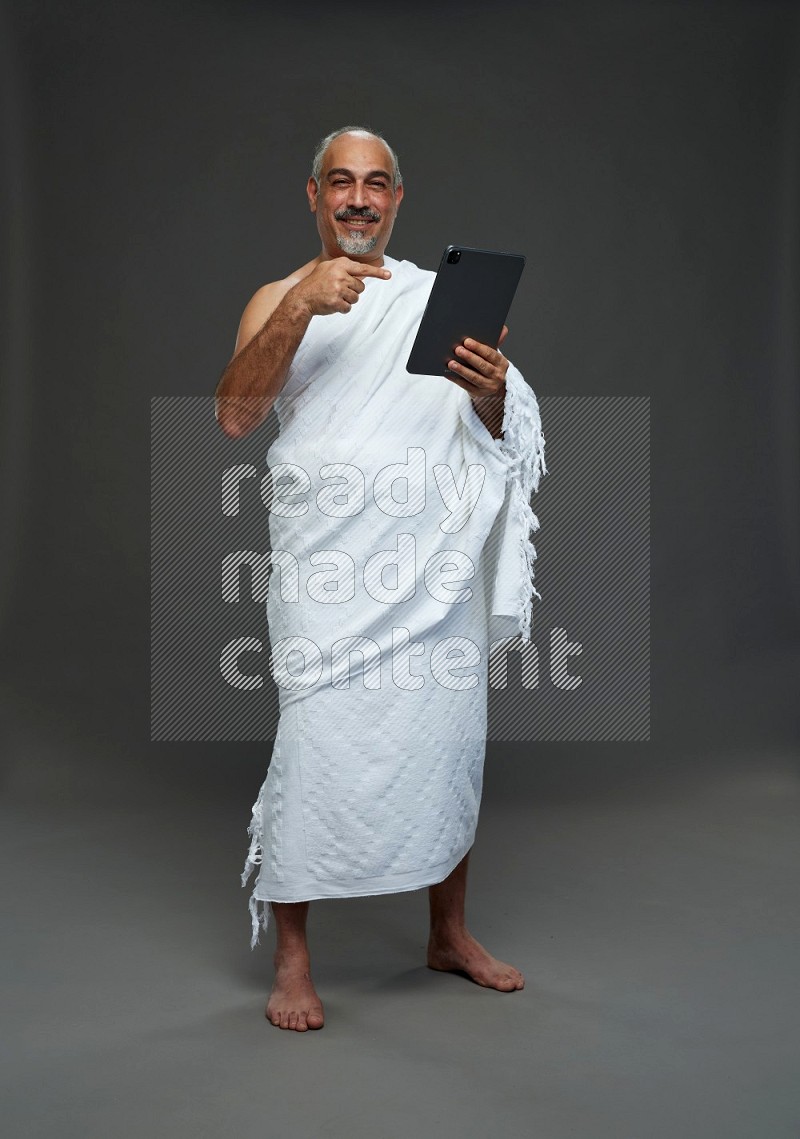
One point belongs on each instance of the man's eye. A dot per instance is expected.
(339, 182)
(379, 185)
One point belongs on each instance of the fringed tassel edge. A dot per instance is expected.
(257, 919)
(523, 445)
(254, 858)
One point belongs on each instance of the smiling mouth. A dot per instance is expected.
(357, 223)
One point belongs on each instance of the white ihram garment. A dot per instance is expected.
(409, 530)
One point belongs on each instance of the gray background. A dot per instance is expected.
(645, 158)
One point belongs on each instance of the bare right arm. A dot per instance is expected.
(270, 331)
(272, 326)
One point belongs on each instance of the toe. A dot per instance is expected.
(302, 1022)
(284, 1020)
(293, 1018)
(315, 1018)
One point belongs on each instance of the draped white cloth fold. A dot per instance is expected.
(400, 536)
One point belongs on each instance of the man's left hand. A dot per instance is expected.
(479, 368)
(481, 371)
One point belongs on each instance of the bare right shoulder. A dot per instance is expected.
(263, 303)
(259, 308)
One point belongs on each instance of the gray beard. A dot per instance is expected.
(357, 245)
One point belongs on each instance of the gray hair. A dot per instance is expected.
(319, 154)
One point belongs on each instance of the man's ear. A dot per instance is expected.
(398, 195)
(312, 190)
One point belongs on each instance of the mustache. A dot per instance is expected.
(345, 214)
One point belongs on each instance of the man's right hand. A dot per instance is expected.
(335, 285)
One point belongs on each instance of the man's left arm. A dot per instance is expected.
(481, 371)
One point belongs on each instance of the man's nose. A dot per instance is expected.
(358, 195)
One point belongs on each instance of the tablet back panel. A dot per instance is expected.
(470, 297)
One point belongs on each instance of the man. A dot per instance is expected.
(375, 780)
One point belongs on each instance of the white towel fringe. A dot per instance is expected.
(522, 445)
(254, 858)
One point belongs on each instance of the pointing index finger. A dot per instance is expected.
(361, 270)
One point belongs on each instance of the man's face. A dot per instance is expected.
(355, 204)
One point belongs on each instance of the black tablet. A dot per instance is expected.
(471, 296)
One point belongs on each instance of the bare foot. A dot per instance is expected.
(461, 953)
(293, 1002)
